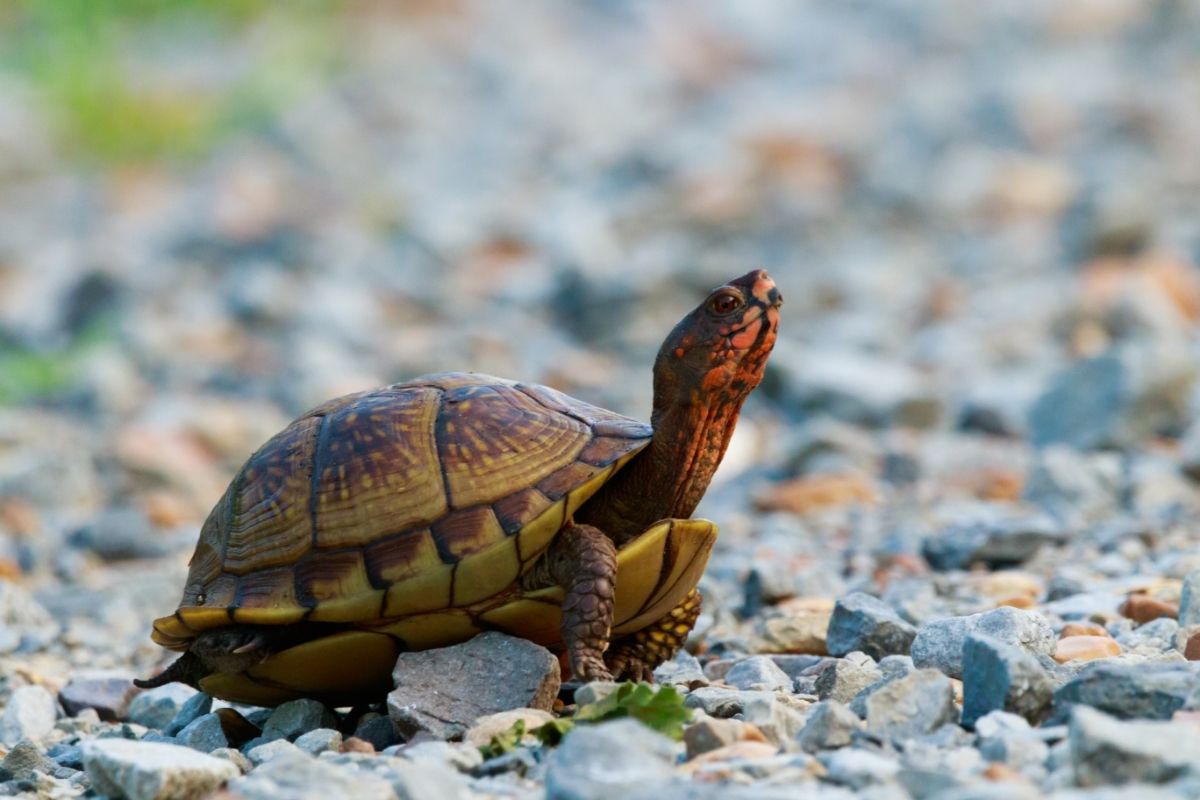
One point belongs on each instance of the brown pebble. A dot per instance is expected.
(357, 745)
(1085, 648)
(1082, 629)
(1191, 650)
(1142, 608)
(997, 771)
(1183, 715)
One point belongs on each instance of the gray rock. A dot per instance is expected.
(235, 757)
(442, 691)
(318, 741)
(204, 734)
(1189, 599)
(772, 714)
(594, 692)
(683, 670)
(155, 708)
(1075, 486)
(1153, 690)
(193, 708)
(153, 771)
(376, 729)
(1156, 636)
(719, 702)
(858, 769)
(410, 779)
(297, 717)
(1008, 739)
(758, 673)
(294, 774)
(119, 534)
(23, 760)
(1002, 677)
(708, 733)
(30, 714)
(845, 678)
(830, 725)
(461, 756)
(995, 543)
(260, 752)
(939, 644)
(912, 706)
(1083, 405)
(865, 623)
(596, 762)
(1106, 750)
(109, 693)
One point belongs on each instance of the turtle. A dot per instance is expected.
(422, 513)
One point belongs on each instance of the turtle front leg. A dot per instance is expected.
(582, 560)
(635, 656)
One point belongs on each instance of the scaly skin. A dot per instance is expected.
(704, 371)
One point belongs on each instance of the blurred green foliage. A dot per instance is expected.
(117, 83)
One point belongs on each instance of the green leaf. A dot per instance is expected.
(552, 732)
(505, 741)
(662, 710)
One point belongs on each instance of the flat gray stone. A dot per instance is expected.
(829, 725)
(443, 691)
(611, 759)
(204, 734)
(758, 673)
(1140, 690)
(298, 776)
(297, 717)
(320, 740)
(1106, 750)
(153, 771)
(193, 708)
(939, 644)
(866, 623)
(912, 706)
(845, 678)
(155, 708)
(1002, 677)
(108, 692)
(30, 714)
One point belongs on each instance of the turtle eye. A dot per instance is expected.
(725, 303)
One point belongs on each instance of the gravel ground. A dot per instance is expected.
(959, 551)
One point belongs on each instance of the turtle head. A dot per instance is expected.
(718, 352)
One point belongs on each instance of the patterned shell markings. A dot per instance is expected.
(367, 506)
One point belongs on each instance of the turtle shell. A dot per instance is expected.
(396, 504)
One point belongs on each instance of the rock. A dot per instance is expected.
(494, 724)
(1008, 739)
(845, 678)
(1083, 405)
(442, 691)
(194, 707)
(30, 714)
(1105, 750)
(109, 693)
(1085, 648)
(319, 740)
(1003, 677)
(24, 759)
(357, 745)
(610, 759)
(121, 533)
(234, 757)
(774, 715)
(865, 623)
(376, 729)
(1142, 608)
(458, 755)
(683, 670)
(146, 770)
(707, 734)
(155, 708)
(296, 775)
(994, 543)
(858, 769)
(1153, 690)
(798, 632)
(260, 751)
(204, 734)
(594, 692)
(719, 702)
(915, 705)
(939, 643)
(1071, 485)
(1152, 638)
(830, 725)
(1189, 597)
(297, 717)
(758, 673)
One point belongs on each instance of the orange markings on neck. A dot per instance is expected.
(747, 335)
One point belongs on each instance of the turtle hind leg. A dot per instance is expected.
(583, 560)
(634, 657)
(188, 668)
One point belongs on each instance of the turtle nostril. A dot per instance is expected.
(774, 297)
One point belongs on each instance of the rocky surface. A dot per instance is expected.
(958, 553)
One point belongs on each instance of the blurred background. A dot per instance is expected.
(214, 215)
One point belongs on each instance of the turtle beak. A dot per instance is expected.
(764, 289)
